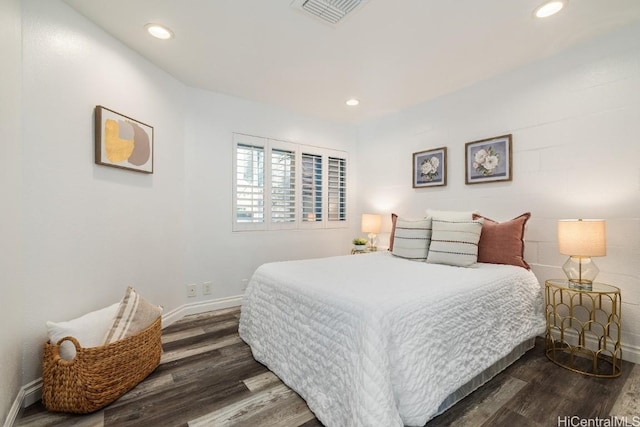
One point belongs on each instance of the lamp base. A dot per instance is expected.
(581, 272)
(583, 286)
(372, 242)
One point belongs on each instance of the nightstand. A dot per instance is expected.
(584, 327)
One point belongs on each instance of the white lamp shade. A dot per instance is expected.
(371, 223)
(582, 237)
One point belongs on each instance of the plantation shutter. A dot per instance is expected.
(337, 189)
(283, 188)
(249, 184)
(311, 188)
(280, 185)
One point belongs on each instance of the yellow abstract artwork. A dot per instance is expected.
(117, 149)
(122, 142)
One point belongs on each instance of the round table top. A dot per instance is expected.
(596, 287)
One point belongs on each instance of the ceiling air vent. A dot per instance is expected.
(329, 11)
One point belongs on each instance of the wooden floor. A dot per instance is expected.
(207, 377)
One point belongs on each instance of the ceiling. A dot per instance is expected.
(390, 54)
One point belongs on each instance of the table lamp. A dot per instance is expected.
(371, 224)
(581, 239)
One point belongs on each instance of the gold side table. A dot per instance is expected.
(584, 327)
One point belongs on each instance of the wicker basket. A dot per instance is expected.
(99, 375)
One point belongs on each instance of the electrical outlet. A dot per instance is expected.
(192, 291)
(206, 288)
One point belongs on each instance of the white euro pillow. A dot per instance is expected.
(89, 330)
(450, 215)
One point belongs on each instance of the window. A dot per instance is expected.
(280, 185)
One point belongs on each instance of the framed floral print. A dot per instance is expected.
(488, 160)
(430, 168)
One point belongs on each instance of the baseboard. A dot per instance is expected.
(630, 353)
(200, 307)
(15, 409)
(29, 394)
(32, 392)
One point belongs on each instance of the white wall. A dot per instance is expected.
(215, 253)
(90, 231)
(575, 120)
(11, 278)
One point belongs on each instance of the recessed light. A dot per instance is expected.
(549, 8)
(352, 102)
(158, 31)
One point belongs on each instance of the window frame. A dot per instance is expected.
(268, 145)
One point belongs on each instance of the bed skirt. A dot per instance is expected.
(485, 376)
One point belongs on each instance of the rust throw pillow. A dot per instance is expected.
(394, 218)
(503, 242)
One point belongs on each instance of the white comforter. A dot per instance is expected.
(374, 340)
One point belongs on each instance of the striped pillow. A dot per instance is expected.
(411, 239)
(135, 314)
(455, 242)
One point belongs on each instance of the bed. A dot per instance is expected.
(377, 340)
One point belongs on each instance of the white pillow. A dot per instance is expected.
(411, 239)
(455, 242)
(89, 330)
(450, 215)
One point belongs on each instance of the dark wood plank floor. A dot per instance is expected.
(208, 377)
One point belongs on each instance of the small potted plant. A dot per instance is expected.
(360, 243)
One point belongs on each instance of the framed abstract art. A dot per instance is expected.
(122, 142)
